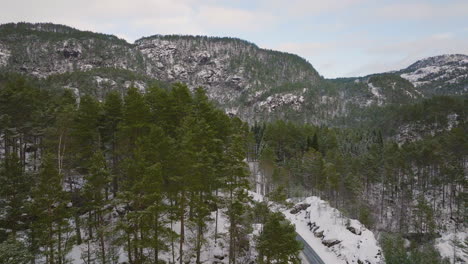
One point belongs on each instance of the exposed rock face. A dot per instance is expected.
(229, 69)
(330, 242)
(299, 207)
(252, 83)
(4, 55)
(354, 227)
(40, 52)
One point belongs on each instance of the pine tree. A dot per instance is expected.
(95, 193)
(135, 121)
(50, 205)
(112, 118)
(85, 133)
(15, 189)
(277, 242)
(13, 251)
(236, 186)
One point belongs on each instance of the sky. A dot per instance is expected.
(340, 38)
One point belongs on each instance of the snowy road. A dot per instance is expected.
(309, 253)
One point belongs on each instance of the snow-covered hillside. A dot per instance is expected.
(436, 73)
(335, 238)
(213, 251)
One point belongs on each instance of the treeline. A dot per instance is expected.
(138, 172)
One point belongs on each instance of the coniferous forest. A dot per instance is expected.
(192, 149)
(122, 173)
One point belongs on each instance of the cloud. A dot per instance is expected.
(233, 18)
(401, 54)
(137, 17)
(307, 49)
(446, 42)
(339, 37)
(311, 7)
(423, 10)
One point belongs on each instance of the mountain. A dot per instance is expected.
(232, 71)
(440, 75)
(388, 149)
(243, 79)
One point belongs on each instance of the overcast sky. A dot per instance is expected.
(340, 38)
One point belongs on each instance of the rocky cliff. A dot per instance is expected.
(231, 70)
(251, 82)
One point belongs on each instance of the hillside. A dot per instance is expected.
(234, 72)
(243, 79)
(138, 152)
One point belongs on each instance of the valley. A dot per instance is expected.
(194, 149)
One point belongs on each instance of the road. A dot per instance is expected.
(309, 253)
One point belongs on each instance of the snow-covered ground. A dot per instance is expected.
(448, 68)
(274, 101)
(211, 252)
(445, 245)
(321, 217)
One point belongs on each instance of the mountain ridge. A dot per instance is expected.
(243, 79)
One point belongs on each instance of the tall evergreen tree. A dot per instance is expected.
(51, 208)
(277, 242)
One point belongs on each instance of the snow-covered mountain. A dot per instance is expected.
(232, 71)
(445, 74)
(254, 83)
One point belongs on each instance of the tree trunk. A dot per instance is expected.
(182, 231)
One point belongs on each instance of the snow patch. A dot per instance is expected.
(320, 223)
(376, 92)
(274, 101)
(451, 246)
(4, 55)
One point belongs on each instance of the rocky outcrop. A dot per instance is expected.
(330, 242)
(4, 55)
(229, 69)
(299, 207)
(354, 227)
(253, 83)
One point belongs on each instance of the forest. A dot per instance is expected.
(143, 172)
(147, 172)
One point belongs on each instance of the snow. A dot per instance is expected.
(75, 91)
(376, 92)
(141, 86)
(4, 56)
(441, 68)
(351, 249)
(274, 101)
(445, 245)
(99, 80)
(211, 252)
(232, 110)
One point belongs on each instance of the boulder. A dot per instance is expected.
(319, 234)
(354, 230)
(330, 242)
(220, 257)
(299, 207)
(354, 227)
